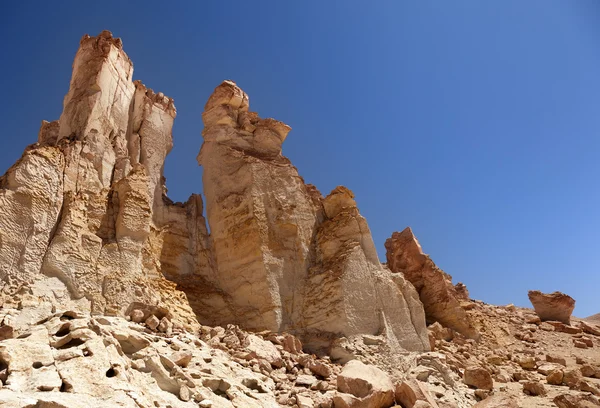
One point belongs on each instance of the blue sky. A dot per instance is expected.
(474, 122)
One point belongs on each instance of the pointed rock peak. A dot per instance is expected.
(440, 298)
(227, 121)
(228, 94)
(102, 40)
(339, 199)
(406, 240)
(159, 99)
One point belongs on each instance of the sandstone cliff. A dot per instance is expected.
(86, 222)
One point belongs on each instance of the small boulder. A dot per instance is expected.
(571, 377)
(181, 358)
(478, 377)
(555, 377)
(152, 322)
(368, 383)
(136, 315)
(409, 393)
(527, 363)
(589, 328)
(534, 388)
(556, 359)
(576, 401)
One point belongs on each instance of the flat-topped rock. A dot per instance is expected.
(552, 306)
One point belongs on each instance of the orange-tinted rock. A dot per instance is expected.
(552, 306)
(440, 297)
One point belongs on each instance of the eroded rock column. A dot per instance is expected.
(260, 213)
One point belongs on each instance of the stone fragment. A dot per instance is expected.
(181, 358)
(571, 377)
(152, 322)
(534, 388)
(551, 358)
(478, 377)
(589, 328)
(527, 363)
(555, 377)
(409, 393)
(369, 384)
(137, 316)
(165, 325)
(261, 349)
(576, 401)
(304, 401)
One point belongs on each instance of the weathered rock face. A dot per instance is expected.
(85, 204)
(260, 213)
(85, 221)
(441, 299)
(552, 306)
(286, 259)
(348, 291)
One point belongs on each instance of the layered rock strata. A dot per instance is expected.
(86, 223)
(441, 299)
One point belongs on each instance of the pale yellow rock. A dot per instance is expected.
(85, 205)
(369, 384)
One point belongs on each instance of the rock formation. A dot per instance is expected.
(552, 306)
(112, 295)
(84, 208)
(86, 221)
(441, 299)
(285, 258)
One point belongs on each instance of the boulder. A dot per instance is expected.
(534, 388)
(552, 306)
(368, 383)
(478, 377)
(576, 401)
(555, 377)
(408, 393)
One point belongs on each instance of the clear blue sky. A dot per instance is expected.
(475, 122)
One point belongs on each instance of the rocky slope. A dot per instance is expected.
(113, 295)
(593, 318)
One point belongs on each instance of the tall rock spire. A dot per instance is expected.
(84, 205)
(289, 259)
